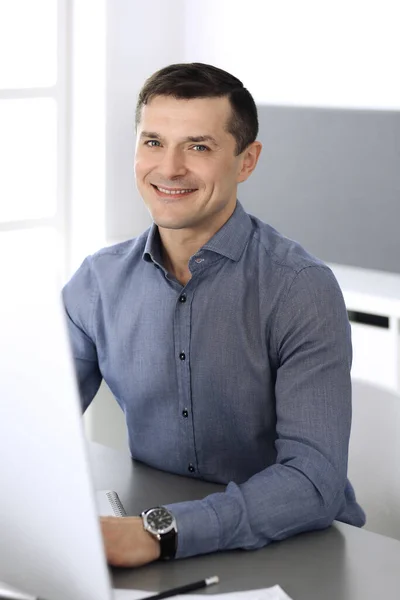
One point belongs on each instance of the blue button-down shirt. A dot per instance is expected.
(241, 377)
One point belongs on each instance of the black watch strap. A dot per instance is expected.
(168, 545)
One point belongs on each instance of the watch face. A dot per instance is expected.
(159, 519)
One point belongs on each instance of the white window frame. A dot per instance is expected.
(87, 206)
(60, 93)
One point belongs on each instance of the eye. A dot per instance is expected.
(152, 143)
(200, 148)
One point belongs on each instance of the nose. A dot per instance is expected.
(172, 164)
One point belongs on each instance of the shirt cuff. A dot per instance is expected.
(198, 527)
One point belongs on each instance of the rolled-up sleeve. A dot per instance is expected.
(305, 488)
(79, 297)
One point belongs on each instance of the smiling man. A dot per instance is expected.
(187, 169)
(226, 344)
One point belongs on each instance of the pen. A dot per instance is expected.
(184, 589)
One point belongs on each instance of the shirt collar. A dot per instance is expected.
(152, 249)
(229, 241)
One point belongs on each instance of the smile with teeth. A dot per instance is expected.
(173, 192)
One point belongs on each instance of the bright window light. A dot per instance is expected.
(35, 255)
(28, 159)
(28, 43)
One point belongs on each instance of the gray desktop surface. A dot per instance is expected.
(339, 563)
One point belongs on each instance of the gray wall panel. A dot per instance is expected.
(331, 180)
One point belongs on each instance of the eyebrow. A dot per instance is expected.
(191, 138)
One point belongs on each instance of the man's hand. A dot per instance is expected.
(126, 542)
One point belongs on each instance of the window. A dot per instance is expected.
(33, 134)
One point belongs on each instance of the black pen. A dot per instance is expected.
(184, 589)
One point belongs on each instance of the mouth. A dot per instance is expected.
(173, 193)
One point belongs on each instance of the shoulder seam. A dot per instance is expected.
(297, 273)
(277, 261)
(112, 250)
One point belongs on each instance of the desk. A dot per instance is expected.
(376, 350)
(339, 563)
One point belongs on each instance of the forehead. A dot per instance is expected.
(197, 116)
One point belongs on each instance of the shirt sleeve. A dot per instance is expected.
(305, 488)
(79, 297)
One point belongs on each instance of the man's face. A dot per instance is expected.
(185, 164)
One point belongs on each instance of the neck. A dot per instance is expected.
(177, 248)
(179, 245)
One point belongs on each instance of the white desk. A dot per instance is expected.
(376, 350)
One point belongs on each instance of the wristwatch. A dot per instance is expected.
(160, 523)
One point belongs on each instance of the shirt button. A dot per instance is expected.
(182, 298)
(182, 356)
(191, 468)
(185, 413)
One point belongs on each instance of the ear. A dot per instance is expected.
(249, 161)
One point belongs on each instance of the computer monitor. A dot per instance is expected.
(50, 538)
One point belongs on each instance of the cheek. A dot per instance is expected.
(142, 167)
(223, 176)
(214, 174)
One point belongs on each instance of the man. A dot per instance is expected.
(226, 344)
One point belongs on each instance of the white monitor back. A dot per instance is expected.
(50, 540)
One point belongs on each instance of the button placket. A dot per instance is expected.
(182, 341)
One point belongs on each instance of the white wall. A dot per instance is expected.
(332, 53)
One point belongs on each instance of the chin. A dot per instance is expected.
(168, 218)
(173, 223)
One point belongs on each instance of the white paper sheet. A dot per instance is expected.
(273, 593)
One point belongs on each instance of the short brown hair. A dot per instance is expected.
(198, 80)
